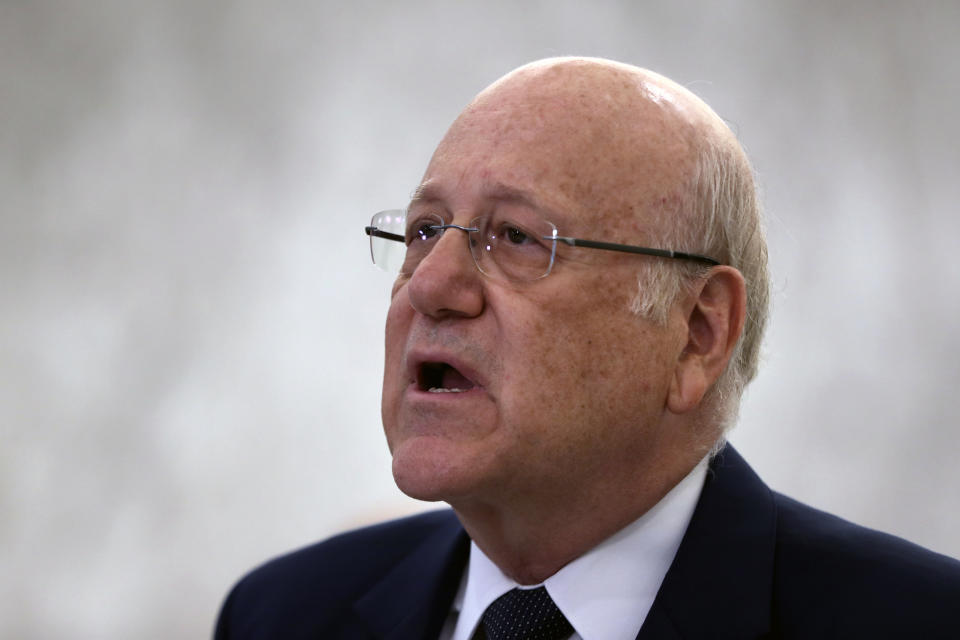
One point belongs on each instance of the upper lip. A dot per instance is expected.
(416, 358)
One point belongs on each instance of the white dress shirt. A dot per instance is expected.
(605, 593)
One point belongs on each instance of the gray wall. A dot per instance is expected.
(190, 331)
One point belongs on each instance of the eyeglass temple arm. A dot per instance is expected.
(373, 231)
(629, 248)
(577, 242)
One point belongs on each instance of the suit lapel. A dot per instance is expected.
(414, 599)
(724, 563)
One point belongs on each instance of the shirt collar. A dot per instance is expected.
(607, 592)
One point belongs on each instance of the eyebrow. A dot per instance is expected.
(430, 192)
(424, 193)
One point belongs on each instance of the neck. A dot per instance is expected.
(530, 539)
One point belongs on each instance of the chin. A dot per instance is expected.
(427, 469)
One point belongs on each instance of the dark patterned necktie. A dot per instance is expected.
(524, 614)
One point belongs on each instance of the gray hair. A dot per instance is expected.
(723, 221)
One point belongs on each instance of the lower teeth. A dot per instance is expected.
(441, 390)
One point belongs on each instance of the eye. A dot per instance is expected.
(427, 230)
(423, 229)
(515, 235)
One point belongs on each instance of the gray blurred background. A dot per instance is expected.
(191, 331)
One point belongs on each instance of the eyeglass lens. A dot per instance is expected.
(515, 246)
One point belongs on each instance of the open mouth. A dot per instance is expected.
(440, 377)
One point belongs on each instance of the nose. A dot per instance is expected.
(447, 282)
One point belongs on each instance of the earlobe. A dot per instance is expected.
(714, 321)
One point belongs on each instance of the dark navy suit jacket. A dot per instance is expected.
(752, 564)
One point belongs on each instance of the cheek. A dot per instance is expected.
(394, 377)
(585, 361)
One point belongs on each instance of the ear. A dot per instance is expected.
(714, 317)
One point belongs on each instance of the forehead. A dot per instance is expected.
(576, 147)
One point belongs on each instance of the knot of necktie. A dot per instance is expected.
(524, 614)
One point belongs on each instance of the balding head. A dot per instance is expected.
(605, 132)
(605, 89)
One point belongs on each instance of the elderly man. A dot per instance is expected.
(581, 296)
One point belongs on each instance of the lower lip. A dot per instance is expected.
(418, 394)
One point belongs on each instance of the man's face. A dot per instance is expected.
(560, 387)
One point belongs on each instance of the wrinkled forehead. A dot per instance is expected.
(596, 142)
